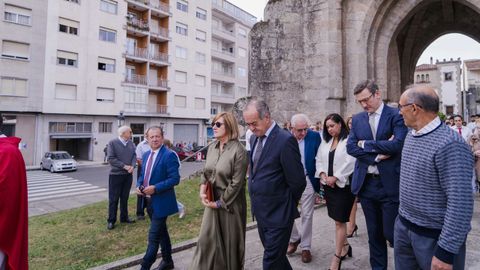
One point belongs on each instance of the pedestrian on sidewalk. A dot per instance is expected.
(157, 180)
(221, 243)
(276, 183)
(122, 159)
(13, 205)
(105, 151)
(436, 200)
(308, 143)
(334, 167)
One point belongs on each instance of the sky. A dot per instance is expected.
(445, 47)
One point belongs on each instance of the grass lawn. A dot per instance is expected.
(79, 239)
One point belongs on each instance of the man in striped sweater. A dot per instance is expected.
(436, 202)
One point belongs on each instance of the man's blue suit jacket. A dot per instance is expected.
(278, 181)
(164, 177)
(390, 123)
(312, 142)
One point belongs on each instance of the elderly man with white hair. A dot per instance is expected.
(308, 143)
(122, 159)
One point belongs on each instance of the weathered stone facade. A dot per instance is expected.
(308, 55)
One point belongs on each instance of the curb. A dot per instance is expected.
(137, 259)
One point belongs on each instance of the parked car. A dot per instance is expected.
(203, 149)
(58, 161)
(182, 153)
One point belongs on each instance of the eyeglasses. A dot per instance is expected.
(400, 106)
(365, 100)
(217, 124)
(300, 129)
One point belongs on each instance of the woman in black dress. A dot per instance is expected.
(334, 166)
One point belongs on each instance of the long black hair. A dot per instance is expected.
(335, 117)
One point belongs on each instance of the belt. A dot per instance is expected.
(371, 175)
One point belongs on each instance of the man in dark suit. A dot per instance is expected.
(308, 143)
(275, 184)
(376, 140)
(158, 177)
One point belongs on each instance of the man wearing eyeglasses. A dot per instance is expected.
(436, 202)
(376, 140)
(308, 143)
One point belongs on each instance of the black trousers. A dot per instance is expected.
(275, 244)
(118, 189)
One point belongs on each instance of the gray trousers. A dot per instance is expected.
(306, 215)
(414, 251)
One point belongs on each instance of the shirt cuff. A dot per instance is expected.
(444, 255)
(361, 144)
(377, 159)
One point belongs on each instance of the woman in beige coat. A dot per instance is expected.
(221, 244)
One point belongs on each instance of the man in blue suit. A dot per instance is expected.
(275, 184)
(376, 140)
(308, 143)
(158, 177)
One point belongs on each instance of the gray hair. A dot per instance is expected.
(260, 105)
(300, 117)
(123, 129)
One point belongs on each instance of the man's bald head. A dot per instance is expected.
(424, 97)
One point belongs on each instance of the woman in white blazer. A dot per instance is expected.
(333, 167)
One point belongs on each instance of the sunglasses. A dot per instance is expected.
(217, 124)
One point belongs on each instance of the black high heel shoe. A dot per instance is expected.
(349, 252)
(339, 262)
(353, 232)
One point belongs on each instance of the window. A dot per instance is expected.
(200, 58)
(108, 6)
(242, 72)
(242, 52)
(215, 108)
(200, 80)
(181, 101)
(106, 64)
(182, 5)
(242, 92)
(181, 52)
(427, 77)
(68, 26)
(201, 14)
(65, 91)
(105, 94)
(67, 58)
(136, 99)
(105, 127)
(242, 32)
(215, 87)
(181, 29)
(423, 78)
(10, 86)
(107, 35)
(201, 36)
(18, 15)
(199, 103)
(15, 50)
(180, 76)
(448, 76)
(418, 78)
(74, 1)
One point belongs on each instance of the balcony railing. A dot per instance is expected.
(223, 30)
(226, 95)
(159, 83)
(157, 108)
(234, 11)
(137, 52)
(224, 51)
(224, 73)
(136, 79)
(139, 24)
(159, 56)
(161, 6)
(161, 32)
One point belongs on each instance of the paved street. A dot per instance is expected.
(89, 184)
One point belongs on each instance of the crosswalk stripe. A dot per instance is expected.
(51, 182)
(66, 195)
(61, 186)
(56, 192)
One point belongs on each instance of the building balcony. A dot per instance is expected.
(136, 79)
(158, 58)
(135, 25)
(224, 54)
(139, 55)
(223, 76)
(224, 34)
(159, 84)
(160, 34)
(223, 98)
(140, 5)
(160, 9)
(233, 11)
(157, 109)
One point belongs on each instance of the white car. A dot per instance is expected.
(58, 161)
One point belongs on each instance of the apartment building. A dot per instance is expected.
(471, 81)
(72, 71)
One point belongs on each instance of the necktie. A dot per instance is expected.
(146, 178)
(460, 131)
(371, 121)
(258, 152)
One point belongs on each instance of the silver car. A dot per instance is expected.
(58, 161)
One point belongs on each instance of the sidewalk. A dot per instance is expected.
(322, 248)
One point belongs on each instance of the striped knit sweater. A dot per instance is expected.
(435, 187)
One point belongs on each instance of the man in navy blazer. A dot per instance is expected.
(308, 143)
(376, 140)
(275, 184)
(158, 177)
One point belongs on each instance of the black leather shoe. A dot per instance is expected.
(110, 226)
(129, 220)
(165, 265)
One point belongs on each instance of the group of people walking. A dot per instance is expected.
(409, 171)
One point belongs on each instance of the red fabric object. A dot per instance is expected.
(13, 205)
(460, 131)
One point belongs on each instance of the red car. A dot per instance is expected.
(182, 154)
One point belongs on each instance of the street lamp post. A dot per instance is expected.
(120, 119)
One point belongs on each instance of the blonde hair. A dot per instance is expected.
(230, 123)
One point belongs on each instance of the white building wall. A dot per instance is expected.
(450, 89)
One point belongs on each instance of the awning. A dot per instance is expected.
(72, 136)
